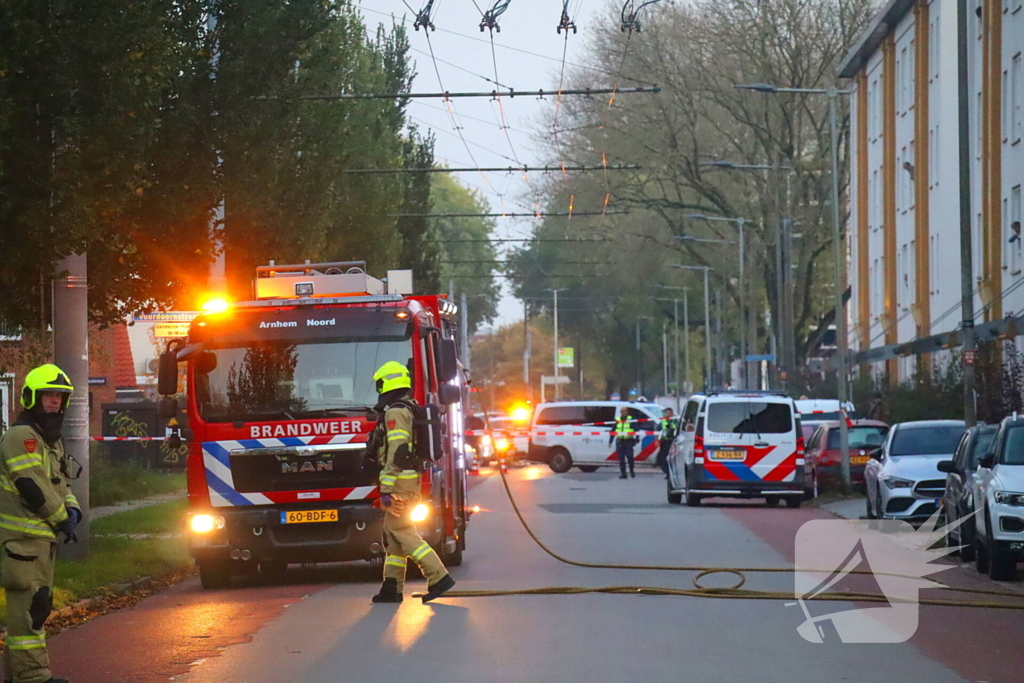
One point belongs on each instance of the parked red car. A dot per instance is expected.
(823, 458)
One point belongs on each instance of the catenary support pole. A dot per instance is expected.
(686, 338)
(557, 390)
(966, 247)
(707, 333)
(840, 314)
(464, 331)
(71, 354)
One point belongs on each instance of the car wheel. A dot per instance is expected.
(981, 559)
(674, 497)
(214, 574)
(692, 499)
(772, 501)
(1002, 565)
(966, 535)
(588, 468)
(793, 502)
(454, 558)
(812, 492)
(559, 460)
(953, 537)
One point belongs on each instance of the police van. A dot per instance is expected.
(743, 444)
(575, 433)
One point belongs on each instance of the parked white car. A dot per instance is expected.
(902, 478)
(999, 500)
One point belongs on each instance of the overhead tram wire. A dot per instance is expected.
(495, 169)
(506, 47)
(556, 214)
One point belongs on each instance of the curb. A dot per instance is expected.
(115, 590)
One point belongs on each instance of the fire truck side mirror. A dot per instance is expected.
(447, 360)
(166, 408)
(167, 376)
(449, 394)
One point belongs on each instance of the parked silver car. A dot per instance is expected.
(902, 478)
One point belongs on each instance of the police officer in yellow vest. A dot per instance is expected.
(400, 489)
(624, 435)
(35, 503)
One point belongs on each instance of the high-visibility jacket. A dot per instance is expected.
(397, 477)
(669, 429)
(32, 509)
(624, 430)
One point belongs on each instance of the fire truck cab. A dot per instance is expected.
(279, 397)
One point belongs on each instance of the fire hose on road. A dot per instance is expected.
(734, 592)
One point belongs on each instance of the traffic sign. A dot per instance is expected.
(754, 358)
(616, 396)
(551, 379)
(566, 357)
(171, 330)
(167, 317)
(969, 356)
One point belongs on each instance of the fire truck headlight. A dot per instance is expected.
(304, 289)
(204, 524)
(420, 512)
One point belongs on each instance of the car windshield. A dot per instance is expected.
(860, 437)
(1013, 450)
(926, 440)
(980, 447)
(290, 373)
(749, 417)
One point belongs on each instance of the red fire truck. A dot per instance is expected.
(278, 397)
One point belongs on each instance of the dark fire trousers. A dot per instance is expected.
(624, 449)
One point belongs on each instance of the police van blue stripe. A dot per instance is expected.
(741, 471)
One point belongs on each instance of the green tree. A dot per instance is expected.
(420, 249)
(469, 255)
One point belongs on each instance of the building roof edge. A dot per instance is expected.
(869, 41)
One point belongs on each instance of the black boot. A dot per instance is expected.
(622, 476)
(54, 679)
(388, 592)
(443, 585)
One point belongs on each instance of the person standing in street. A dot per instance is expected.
(669, 430)
(35, 503)
(624, 435)
(399, 480)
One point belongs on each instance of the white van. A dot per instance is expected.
(738, 443)
(576, 433)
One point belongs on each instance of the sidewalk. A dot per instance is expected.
(851, 508)
(105, 510)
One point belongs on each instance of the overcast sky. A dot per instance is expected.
(460, 48)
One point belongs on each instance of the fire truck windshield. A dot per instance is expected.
(281, 378)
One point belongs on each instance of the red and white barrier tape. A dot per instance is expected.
(129, 438)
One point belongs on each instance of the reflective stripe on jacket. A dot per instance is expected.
(624, 429)
(25, 455)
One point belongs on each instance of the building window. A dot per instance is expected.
(875, 105)
(901, 79)
(1016, 95)
(934, 41)
(1014, 230)
(933, 157)
(933, 265)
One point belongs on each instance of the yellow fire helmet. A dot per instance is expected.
(45, 378)
(390, 376)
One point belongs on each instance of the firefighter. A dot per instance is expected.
(400, 488)
(669, 430)
(624, 435)
(35, 503)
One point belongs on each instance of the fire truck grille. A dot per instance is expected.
(254, 471)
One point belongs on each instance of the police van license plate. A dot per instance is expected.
(304, 516)
(728, 455)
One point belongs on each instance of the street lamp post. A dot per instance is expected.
(841, 352)
(707, 318)
(555, 322)
(781, 327)
(740, 223)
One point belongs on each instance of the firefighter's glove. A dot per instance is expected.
(386, 500)
(67, 527)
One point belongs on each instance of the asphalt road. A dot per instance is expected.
(320, 627)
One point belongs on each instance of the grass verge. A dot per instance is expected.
(110, 484)
(117, 558)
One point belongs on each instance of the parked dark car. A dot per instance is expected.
(823, 466)
(958, 501)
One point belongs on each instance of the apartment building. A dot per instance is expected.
(904, 241)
